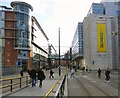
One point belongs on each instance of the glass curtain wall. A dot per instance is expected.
(22, 32)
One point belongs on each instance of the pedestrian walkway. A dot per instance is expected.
(48, 84)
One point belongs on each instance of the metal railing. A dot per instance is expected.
(58, 88)
(12, 84)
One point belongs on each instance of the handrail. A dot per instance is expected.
(46, 95)
(53, 87)
(17, 80)
(16, 77)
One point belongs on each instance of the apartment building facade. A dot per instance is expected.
(15, 37)
(21, 46)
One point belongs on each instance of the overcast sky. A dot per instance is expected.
(52, 14)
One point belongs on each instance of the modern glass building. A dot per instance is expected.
(104, 8)
(110, 7)
(14, 37)
(96, 8)
(22, 31)
(77, 45)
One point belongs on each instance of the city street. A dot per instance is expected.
(75, 42)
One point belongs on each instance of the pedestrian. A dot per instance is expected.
(21, 72)
(33, 76)
(83, 68)
(41, 77)
(28, 72)
(51, 74)
(72, 73)
(59, 70)
(107, 74)
(86, 68)
(99, 73)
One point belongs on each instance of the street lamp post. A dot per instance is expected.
(59, 52)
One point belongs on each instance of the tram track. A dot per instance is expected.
(76, 88)
(92, 88)
(80, 86)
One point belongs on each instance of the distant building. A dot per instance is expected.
(39, 46)
(77, 46)
(110, 8)
(97, 8)
(104, 8)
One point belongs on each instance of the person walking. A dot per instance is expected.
(51, 74)
(72, 73)
(33, 76)
(59, 70)
(41, 77)
(99, 73)
(21, 73)
(107, 74)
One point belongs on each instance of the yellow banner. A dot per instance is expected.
(101, 30)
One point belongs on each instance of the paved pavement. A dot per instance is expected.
(48, 83)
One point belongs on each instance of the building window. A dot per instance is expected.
(8, 60)
(8, 42)
(8, 33)
(8, 25)
(100, 17)
(8, 17)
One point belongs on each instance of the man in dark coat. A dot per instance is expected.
(107, 73)
(21, 72)
(33, 76)
(99, 73)
(41, 77)
(51, 74)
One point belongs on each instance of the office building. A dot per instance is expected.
(96, 8)
(77, 46)
(97, 41)
(105, 12)
(39, 46)
(110, 7)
